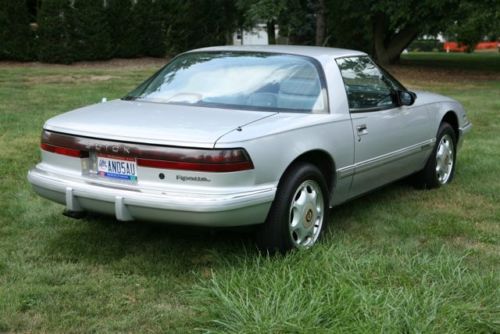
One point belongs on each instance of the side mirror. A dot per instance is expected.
(406, 98)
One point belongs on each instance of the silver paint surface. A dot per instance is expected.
(397, 143)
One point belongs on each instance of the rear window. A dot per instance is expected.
(238, 80)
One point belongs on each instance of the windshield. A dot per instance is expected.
(240, 80)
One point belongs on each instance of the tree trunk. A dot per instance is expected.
(320, 23)
(271, 32)
(229, 38)
(388, 49)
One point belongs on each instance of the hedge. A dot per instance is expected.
(90, 31)
(124, 32)
(16, 37)
(55, 32)
(74, 30)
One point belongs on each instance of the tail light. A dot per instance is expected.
(56, 143)
(64, 151)
(206, 160)
(230, 160)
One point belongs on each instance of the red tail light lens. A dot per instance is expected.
(62, 144)
(206, 160)
(230, 160)
(64, 151)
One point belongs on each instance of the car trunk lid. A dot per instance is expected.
(153, 123)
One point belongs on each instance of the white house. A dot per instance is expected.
(256, 36)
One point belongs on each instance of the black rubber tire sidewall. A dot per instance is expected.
(273, 236)
(429, 178)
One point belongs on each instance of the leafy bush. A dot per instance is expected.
(124, 29)
(205, 23)
(90, 30)
(16, 37)
(71, 30)
(151, 27)
(55, 44)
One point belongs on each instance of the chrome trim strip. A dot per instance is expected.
(385, 158)
(429, 145)
(392, 156)
(345, 171)
(465, 129)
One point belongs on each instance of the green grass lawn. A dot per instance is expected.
(396, 261)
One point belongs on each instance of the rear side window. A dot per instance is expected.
(367, 88)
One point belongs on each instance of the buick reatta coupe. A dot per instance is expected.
(267, 135)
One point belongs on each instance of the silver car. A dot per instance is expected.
(231, 136)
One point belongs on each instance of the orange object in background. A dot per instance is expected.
(487, 45)
(461, 47)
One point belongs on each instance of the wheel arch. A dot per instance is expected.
(321, 159)
(451, 118)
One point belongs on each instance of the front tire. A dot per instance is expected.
(440, 167)
(299, 211)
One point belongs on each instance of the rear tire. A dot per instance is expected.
(299, 211)
(440, 167)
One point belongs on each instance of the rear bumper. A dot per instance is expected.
(221, 209)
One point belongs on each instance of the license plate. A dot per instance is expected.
(122, 168)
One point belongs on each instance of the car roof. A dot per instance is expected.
(310, 51)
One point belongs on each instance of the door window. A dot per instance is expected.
(367, 88)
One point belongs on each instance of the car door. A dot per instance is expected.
(388, 136)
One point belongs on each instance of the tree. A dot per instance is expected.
(474, 21)
(395, 26)
(386, 27)
(298, 22)
(320, 22)
(124, 33)
(16, 37)
(90, 30)
(348, 27)
(266, 11)
(54, 32)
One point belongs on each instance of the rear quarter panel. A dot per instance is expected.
(287, 136)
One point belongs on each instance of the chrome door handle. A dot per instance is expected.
(362, 129)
